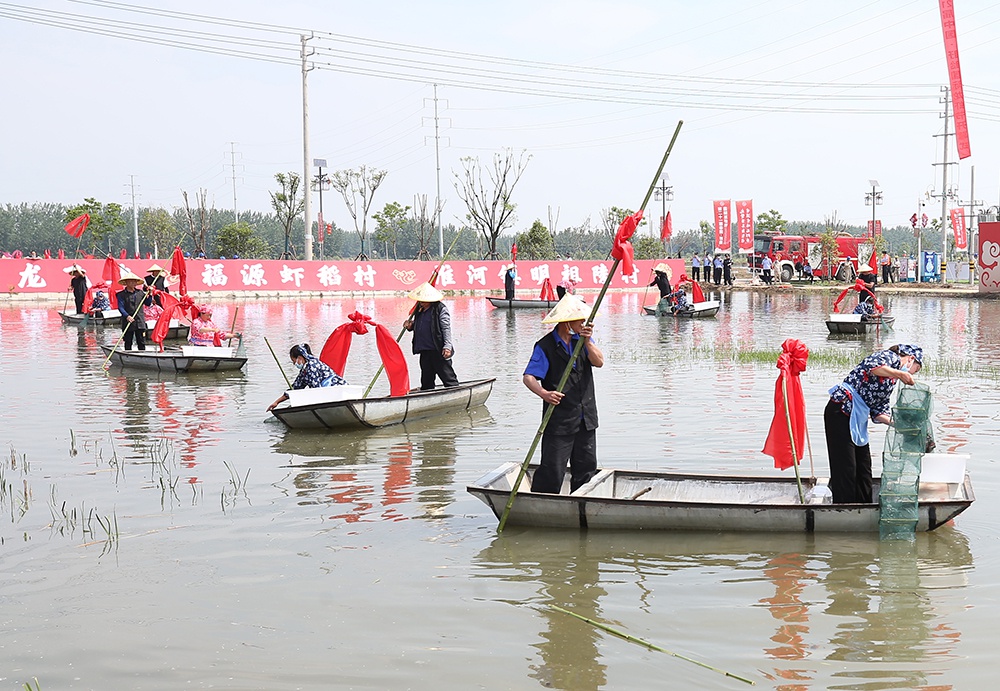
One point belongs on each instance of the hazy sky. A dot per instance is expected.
(795, 104)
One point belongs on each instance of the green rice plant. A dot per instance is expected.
(29, 687)
(72, 444)
(237, 485)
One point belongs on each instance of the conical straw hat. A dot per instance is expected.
(76, 267)
(155, 268)
(129, 276)
(425, 292)
(570, 308)
(662, 267)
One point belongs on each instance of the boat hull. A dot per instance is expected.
(625, 500)
(365, 413)
(702, 310)
(78, 319)
(171, 361)
(861, 327)
(522, 304)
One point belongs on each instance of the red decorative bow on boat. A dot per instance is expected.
(547, 292)
(173, 308)
(112, 272)
(179, 268)
(861, 287)
(337, 346)
(696, 294)
(790, 412)
(622, 249)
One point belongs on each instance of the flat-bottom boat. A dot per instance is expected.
(96, 319)
(636, 500)
(183, 359)
(344, 408)
(858, 324)
(175, 332)
(519, 304)
(698, 310)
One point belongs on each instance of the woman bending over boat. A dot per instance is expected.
(864, 394)
(313, 372)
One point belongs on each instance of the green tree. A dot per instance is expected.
(770, 222)
(648, 247)
(391, 221)
(105, 219)
(536, 243)
(240, 239)
(287, 206)
(707, 232)
(157, 226)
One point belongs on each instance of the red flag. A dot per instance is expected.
(123, 255)
(79, 224)
(48, 254)
(789, 407)
(723, 227)
(668, 228)
(873, 260)
(744, 225)
(179, 268)
(337, 346)
(547, 292)
(958, 225)
(62, 254)
(513, 252)
(947, 8)
(622, 249)
(111, 275)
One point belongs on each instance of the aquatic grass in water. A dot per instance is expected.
(237, 485)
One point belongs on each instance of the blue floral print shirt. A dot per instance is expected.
(316, 373)
(876, 391)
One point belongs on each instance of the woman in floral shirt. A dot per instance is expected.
(864, 394)
(313, 372)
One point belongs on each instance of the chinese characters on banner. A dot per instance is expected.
(874, 228)
(723, 227)
(958, 224)
(744, 225)
(947, 8)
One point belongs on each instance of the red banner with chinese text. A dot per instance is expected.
(958, 225)
(723, 226)
(744, 226)
(950, 31)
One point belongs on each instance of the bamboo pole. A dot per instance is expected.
(413, 309)
(651, 646)
(278, 362)
(644, 294)
(233, 327)
(579, 345)
(791, 435)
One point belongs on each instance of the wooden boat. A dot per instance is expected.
(854, 324)
(636, 500)
(183, 359)
(344, 408)
(175, 332)
(518, 304)
(700, 310)
(75, 319)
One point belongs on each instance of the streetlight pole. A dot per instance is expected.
(665, 193)
(320, 181)
(873, 198)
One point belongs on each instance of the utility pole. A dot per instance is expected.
(945, 194)
(437, 163)
(972, 225)
(306, 161)
(135, 217)
(232, 165)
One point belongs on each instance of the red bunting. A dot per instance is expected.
(861, 287)
(547, 292)
(791, 362)
(622, 249)
(173, 308)
(61, 255)
(337, 346)
(179, 268)
(79, 224)
(47, 254)
(112, 273)
(123, 255)
(668, 228)
(696, 294)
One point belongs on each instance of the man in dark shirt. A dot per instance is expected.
(570, 438)
(431, 327)
(133, 320)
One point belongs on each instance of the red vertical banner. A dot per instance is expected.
(723, 226)
(320, 227)
(744, 225)
(948, 27)
(668, 228)
(958, 225)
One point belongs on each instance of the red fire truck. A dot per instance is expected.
(787, 253)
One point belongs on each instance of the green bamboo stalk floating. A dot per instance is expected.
(651, 646)
(579, 344)
(413, 309)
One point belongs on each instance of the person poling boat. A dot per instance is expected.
(78, 284)
(864, 394)
(204, 332)
(431, 327)
(661, 279)
(509, 281)
(570, 438)
(133, 321)
(313, 373)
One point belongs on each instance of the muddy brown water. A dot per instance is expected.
(158, 533)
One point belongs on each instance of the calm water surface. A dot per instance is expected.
(158, 532)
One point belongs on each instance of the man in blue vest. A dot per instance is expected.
(570, 438)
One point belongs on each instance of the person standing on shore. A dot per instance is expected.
(727, 270)
(765, 270)
(696, 268)
(431, 327)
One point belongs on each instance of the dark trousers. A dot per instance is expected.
(850, 465)
(136, 334)
(718, 275)
(727, 275)
(765, 275)
(695, 273)
(886, 271)
(432, 365)
(578, 450)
